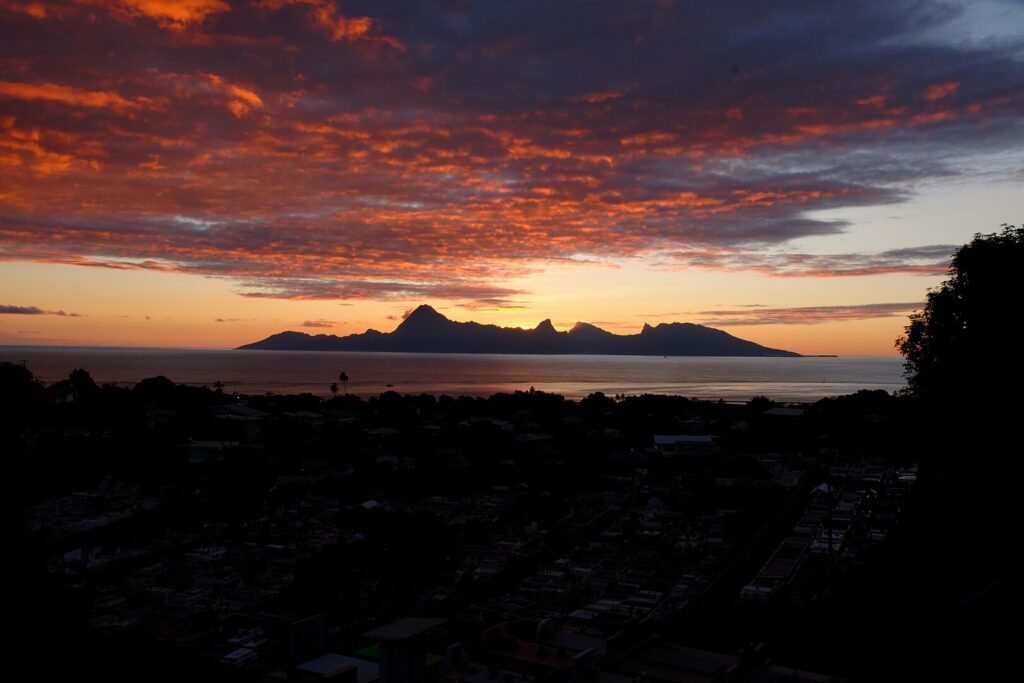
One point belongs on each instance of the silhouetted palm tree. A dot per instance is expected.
(334, 388)
(343, 378)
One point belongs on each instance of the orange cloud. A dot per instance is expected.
(324, 15)
(242, 100)
(647, 139)
(53, 92)
(940, 90)
(24, 147)
(877, 101)
(169, 14)
(604, 96)
(32, 9)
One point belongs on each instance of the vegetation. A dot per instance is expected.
(963, 368)
(960, 346)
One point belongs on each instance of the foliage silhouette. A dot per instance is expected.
(961, 347)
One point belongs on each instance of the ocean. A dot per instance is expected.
(257, 372)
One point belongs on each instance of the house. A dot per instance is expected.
(685, 444)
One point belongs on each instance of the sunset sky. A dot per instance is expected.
(203, 173)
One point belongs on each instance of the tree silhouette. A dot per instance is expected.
(343, 378)
(334, 388)
(81, 380)
(961, 346)
(21, 398)
(964, 368)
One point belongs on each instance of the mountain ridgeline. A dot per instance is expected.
(427, 331)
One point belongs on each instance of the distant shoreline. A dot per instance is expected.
(291, 372)
(585, 354)
(217, 349)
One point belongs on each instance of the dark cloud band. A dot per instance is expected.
(34, 310)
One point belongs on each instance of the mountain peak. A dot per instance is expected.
(424, 311)
(647, 328)
(423, 319)
(545, 326)
(583, 330)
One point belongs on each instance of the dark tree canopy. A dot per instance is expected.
(964, 345)
(20, 394)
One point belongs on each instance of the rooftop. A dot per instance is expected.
(403, 628)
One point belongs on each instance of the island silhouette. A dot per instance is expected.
(426, 331)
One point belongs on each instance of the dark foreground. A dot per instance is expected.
(170, 533)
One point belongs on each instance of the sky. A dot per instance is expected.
(204, 173)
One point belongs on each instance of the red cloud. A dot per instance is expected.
(32, 9)
(940, 90)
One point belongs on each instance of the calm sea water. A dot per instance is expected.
(783, 379)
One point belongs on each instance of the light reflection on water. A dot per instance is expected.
(784, 379)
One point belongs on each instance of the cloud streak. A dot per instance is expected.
(805, 315)
(34, 310)
(169, 14)
(65, 94)
(925, 260)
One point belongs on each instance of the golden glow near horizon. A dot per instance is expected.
(207, 173)
(114, 308)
